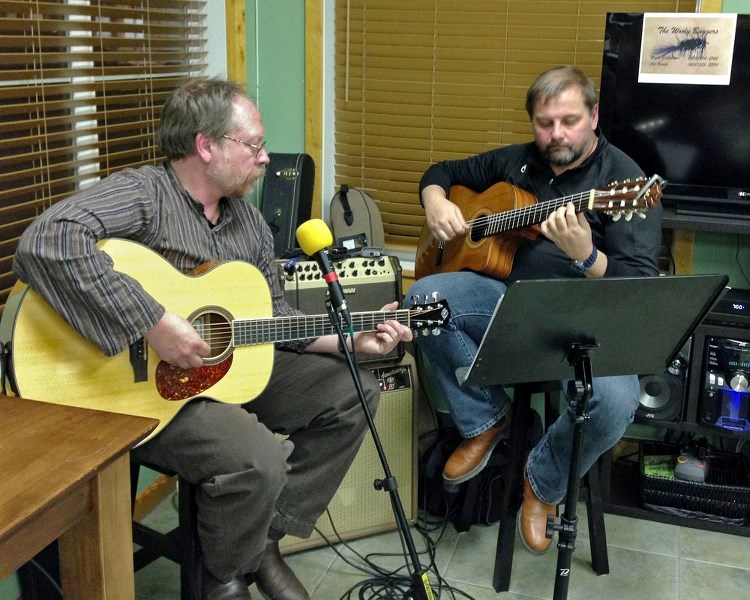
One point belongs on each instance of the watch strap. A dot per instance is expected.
(583, 266)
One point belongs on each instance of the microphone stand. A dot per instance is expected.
(420, 582)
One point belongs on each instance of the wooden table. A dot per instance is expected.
(64, 474)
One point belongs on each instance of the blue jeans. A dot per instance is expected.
(472, 299)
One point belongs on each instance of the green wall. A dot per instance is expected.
(9, 588)
(276, 70)
(723, 253)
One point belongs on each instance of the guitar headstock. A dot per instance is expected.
(629, 197)
(428, 317)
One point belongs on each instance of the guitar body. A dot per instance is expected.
(492, 255)
(51, 361)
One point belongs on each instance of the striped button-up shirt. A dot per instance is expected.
(58, 257)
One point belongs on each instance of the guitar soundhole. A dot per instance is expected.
(477, 233)
(214, 325)
(480, 226)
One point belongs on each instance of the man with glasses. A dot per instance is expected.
(568, 156)
(253, 488)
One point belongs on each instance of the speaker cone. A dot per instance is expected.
(661, 397)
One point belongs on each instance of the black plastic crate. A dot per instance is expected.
(724, 496)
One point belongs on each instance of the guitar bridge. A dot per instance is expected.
(439, 257)
(139, 360)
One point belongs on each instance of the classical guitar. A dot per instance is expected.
(505, 216)
(51, 361)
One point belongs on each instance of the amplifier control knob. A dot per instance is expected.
(738, 382)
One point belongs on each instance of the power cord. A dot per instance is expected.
(388, 584)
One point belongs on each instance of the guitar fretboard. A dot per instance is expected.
(247, 332)
(525, 216)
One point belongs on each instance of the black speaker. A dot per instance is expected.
(662, 395)
(287, 197)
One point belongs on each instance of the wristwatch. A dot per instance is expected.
(583, 266)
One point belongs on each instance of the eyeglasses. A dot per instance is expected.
(255, 147)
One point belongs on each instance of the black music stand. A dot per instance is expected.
(549, 330)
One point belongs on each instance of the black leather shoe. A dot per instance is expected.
(274, 578)
(213, 589)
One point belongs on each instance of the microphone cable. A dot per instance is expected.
(390, 584)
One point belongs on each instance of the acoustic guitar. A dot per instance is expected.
(505, 216)
(229, 305)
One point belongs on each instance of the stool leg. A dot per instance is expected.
(597, 532)
(191, 564)
(511, 491)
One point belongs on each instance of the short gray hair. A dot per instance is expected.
(555, 81)
(199, 105)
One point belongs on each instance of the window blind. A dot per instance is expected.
(81, 86)
(428, 80)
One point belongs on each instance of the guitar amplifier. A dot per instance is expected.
(358, 509)
(368, 284)
(287, 197)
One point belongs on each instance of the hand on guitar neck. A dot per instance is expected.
(571, 232)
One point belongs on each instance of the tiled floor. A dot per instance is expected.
(648, 561)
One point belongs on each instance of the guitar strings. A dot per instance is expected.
(532, 211)
(259, 330)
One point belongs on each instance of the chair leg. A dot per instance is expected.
(595, 512)
(512, 490)
(191, 564)
(180, 545)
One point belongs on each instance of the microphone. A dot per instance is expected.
(314, 237)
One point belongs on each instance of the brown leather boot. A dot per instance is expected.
(274, 578)
(532, 520)
(472, 454)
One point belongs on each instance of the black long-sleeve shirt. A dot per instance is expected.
(632, 247)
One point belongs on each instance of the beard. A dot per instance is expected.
(234, 185)
(562, 155)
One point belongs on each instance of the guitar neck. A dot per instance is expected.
(248, 332)
(525, 216)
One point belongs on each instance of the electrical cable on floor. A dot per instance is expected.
(385, 584)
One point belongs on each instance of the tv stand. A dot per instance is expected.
(673, 218)
(621, 478)
(620, 487)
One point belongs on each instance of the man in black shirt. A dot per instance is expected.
(569, 155)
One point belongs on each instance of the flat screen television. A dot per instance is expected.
(695, 136)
